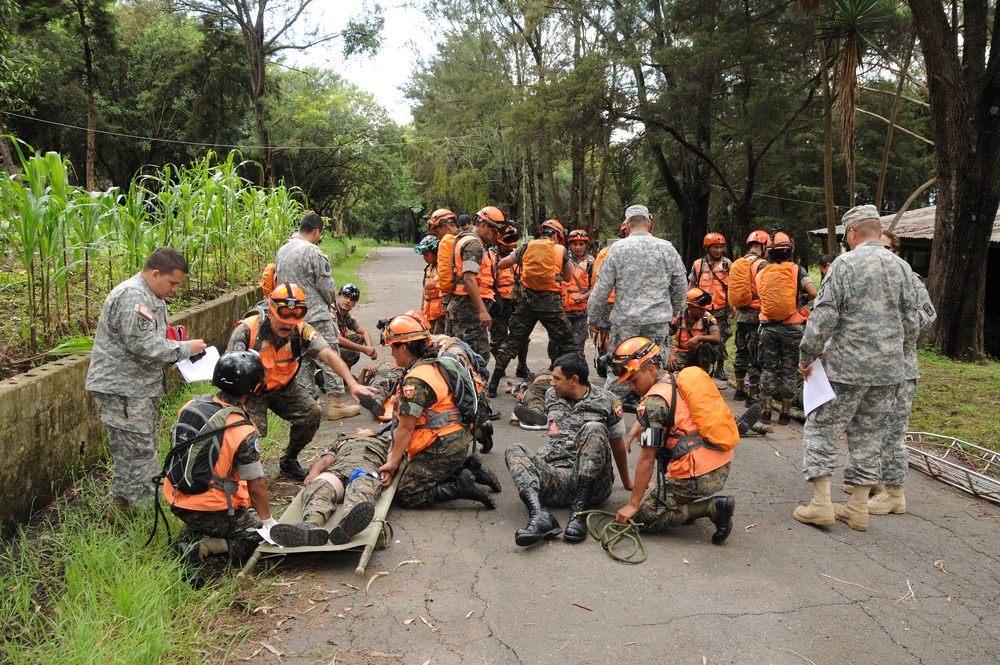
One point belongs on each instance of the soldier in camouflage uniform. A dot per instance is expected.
(777, 350)
(544, 262)
(283, 338)
(353, 339)
(469, 317)
(126, 372)
(698, 335)
(348, 471)
(685, 479)
(428, 427)
(863, 320)
(300, 261)
(650, 283)
(574, 469)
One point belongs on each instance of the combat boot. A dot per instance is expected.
(522, 371)
(765, 415)
(302, 534)
(576, 528)
(486, 437)
(353, 523)
(891, 500)
(720, 373)
(785, 417)
(749, 417)
(855, 511)
(482, 475)
(529, 416)
(118, 510)
(495, 382)
(462, 486)
(290, 466)
(541, 524)
(752, 395)
(721, 515)
(377, 408)
(740, 393)
(820, 509)
(876, 490)
(191, 562)
(337, 408)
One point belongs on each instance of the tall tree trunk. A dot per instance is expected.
(828, 199)
(892, 121)
(11, 166)
(88, 64)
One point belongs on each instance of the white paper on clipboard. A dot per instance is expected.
(816, 390)
(201, 369)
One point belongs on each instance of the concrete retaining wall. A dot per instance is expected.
(49, 429)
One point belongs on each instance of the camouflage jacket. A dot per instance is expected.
(567, 416)
(301, 262)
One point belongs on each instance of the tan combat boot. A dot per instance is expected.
(820, 509)
(855, 511)
(889, 500)
(338, 408)
(876, 490)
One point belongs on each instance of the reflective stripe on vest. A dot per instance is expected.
(280, 365)
(695, 457)
(429, 425)
(214, 499)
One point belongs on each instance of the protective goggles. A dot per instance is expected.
(622, 367)
(290, 308)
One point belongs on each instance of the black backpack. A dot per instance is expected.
(462, 387)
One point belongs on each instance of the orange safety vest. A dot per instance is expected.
(214, 498)
(280, 364)
(597, 267)
(686, 332)
(541, 261)
(714, 279)
(441, 419)
(431, 304)
(701, 456)
(579, 284)
(505, 282)
(485, 276)
(445, 279)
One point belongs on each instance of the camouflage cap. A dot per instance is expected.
(859, 213)
(636, 211)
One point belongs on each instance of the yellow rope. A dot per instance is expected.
(602, 526)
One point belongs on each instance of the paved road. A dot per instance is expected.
(916, 588)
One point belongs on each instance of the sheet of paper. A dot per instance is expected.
(816, 390)
(200, 369)
(265, 533)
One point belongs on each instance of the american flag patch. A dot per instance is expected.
(144, 311)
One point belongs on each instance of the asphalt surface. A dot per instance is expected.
(916, 588)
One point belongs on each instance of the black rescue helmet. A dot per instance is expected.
(238, 373)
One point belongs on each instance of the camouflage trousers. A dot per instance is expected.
(432, 466)
(725, 331)
(308, 367)
(385, 381)
(657, 332)
(219, 524)
(533, 396)
(364, 453)
(439, 325)
(134, 440)
(293, 404)
(747, 340)
(578, 333)
(705, 356)
(895, 460)
(863, 413)
(501, 324)
(350, 358)
(556, 485)
(463, 320)
(536, 307)
(778, 353)
(663, 503)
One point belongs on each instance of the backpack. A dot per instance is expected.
(267, 280)
(541, 262)
(461, 385)
(779, 291)
(742, 282)
(195, 443)
(715, 421)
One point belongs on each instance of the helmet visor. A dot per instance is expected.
(288, 311)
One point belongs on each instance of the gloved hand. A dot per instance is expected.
(270, 522)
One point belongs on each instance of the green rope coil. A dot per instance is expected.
(602, 526)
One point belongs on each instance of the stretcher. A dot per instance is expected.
(378, 534)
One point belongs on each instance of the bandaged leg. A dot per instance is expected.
(320, 498)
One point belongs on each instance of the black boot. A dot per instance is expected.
(290, 467)
(191, 562)
(495, 382)
(486, 437)
(462, 486)
(725, 506)
(299, 535)
(373, 405)
(482, 475)
(740, 393)
(749, 417)
(541, 524)
(352, 523)
(522, 371)
(576, 529)
(529, 416)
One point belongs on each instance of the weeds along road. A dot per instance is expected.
(916, 588)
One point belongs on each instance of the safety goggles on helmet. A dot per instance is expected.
(552, 227)
(427, 244)
(351, 291)
(699, 298)
(630, 355)
(288, 303)
(440, 215)
(492, 216)
(578, 235)
(508, 236)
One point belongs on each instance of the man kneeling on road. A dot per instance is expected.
(690, 470)
(574, 469)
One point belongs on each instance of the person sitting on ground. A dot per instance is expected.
(690, 471)
(352, 337)
(219, 516)
(574, 469)
(698, 336)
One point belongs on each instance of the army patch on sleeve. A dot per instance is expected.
(641, 409)
(144, 318)
(408, 391)
(618, 408)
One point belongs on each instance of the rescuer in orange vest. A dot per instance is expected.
(710, 273)
(576, 291)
